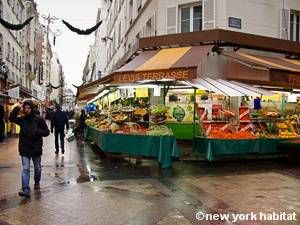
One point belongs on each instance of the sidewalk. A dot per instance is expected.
(83, 188)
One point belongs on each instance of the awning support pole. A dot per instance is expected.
(194, 119)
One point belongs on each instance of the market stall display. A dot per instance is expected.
(225, 131)
(131, 121)
(163, 148)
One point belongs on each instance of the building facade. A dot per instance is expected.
(68, 103)
(26, 53)
(56, 80)
(94, 67)
(125, 21)
(12, 42)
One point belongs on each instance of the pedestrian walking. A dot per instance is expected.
(58, 123)
(80, 125)
(32, 130)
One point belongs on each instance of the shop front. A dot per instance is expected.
(136, 109)
(225, 92)
(252, 122)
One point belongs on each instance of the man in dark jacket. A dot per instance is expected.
(58, 122)
(32, 130)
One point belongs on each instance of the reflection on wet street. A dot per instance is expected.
(84, 186)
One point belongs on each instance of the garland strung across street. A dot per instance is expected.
(53, 87)
(88, 31)
(79, 85)
(15, 26)
(82, 32)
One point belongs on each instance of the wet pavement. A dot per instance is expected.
(86, 187)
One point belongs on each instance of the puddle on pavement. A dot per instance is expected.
(5, 167)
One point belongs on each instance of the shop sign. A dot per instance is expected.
(235, 22)
(176, 74)
(285, 77)
(14, 92)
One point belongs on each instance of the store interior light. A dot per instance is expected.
(281, 92)
(161, 80)
(139, 86)
(101, 94)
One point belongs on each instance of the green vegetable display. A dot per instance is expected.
(159, 109)
(159, 130)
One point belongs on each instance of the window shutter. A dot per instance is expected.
(153, 25)
(171, 20)
(284, 23)
(139, 5)
(208, 14)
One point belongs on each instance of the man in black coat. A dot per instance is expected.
(59, 122)
(32, 130)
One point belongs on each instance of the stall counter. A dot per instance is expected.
(164, 148)
(213, 148)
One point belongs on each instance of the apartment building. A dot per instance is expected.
(56, 79)
(125, 21)
(12, 42)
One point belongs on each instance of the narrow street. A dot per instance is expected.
(84, 187)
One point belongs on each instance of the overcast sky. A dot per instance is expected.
(72, 49)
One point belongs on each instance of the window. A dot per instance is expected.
(191, 19)
(120, 4)
(130, 11)
(1, 9)
(13, 57)
(295, 26)
(114, 42)
(148, 28)
(17, 59)
(34, 93)
(119, 34)
(8, 52)
(139, 5)
(1, 46)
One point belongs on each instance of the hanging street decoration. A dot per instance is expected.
(53, 87)
(76, 86)
(79, 86)
(82, 32)
(15, 26)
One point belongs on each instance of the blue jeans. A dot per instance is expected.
(26, 171)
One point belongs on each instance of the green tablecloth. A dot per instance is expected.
(213, 148)
(182, 131)
(161, 147)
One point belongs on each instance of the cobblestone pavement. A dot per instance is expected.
(84, 187)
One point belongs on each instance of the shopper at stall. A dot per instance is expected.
(58, 123)
(80, 125)
(32, 130)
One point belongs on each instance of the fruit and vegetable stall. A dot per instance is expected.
(244, 129)
(132, 127)
(218, 123)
